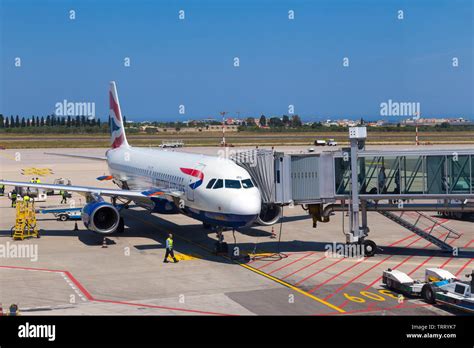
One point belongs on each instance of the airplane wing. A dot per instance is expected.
(94, 158)
(88, 190)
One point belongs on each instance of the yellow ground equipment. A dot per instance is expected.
(25, 224)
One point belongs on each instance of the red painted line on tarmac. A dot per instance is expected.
(399, 264)
(302, 268)
(34, 269)
(291, 263)
(79, 286)
(315, 273)
(402, 240)
(160, 307)
(452, 257)
(268, 264)
(463, 267)
(371, 268)
(91, 298)
(357, 277)
(426, 261)
(337, 275)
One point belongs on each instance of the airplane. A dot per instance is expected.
(210, 189)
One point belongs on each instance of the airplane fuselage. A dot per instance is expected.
(216, 190)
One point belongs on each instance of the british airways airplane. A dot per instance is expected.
(210, 189)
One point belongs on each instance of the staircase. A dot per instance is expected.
(426, 233)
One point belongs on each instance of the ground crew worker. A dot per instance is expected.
(26, 199)
(2, 189)
(169, 249)
(38, 181)
(13, 310)
(13, 198)
(382, 177)
(64, 195)
(32, 180)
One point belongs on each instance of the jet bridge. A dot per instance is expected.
(386, 182)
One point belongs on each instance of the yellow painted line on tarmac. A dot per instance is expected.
(294, 288)
(186, 257)
(8, 156)
(36, 171)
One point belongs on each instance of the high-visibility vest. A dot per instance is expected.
(26, 198)
(38, 181)
(14, 195)
(32, 181)
(169, 243)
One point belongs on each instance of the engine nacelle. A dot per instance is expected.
(100, 217)
(269, 215)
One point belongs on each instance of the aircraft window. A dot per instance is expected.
(219, 184)
(211, 182)
(235, 184)
(247, 183)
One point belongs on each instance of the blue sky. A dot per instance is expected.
(282, 61)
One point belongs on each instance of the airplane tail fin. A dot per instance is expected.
(117, 129)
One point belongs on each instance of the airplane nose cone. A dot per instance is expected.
(248, 203)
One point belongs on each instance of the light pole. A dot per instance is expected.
(223, 113)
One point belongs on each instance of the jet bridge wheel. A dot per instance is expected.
(369, 247)
(428, 294)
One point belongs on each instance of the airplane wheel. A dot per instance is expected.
(369, 247)
(63, 217)
(428, 294)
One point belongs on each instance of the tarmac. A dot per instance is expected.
(292, 274)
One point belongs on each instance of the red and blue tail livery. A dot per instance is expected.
(117, 132)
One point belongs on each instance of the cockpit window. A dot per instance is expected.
(219, 184)
(235, 184)
(247, 183)
(211, 182)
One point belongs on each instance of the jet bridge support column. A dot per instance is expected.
(357, 232)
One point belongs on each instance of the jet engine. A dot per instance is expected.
(100, 217)
(269, 214)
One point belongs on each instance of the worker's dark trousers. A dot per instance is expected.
(169, 252)
(64, 200)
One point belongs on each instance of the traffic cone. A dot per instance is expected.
(273, 236)
(75, 226)
(104, 243)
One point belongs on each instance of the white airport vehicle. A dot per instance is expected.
(36, 194)
(211, 189)
(59, 181)
(440, 286)
(332, 142)
(311, 149)
(61, 213)
(320, 142)
(171, 144)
